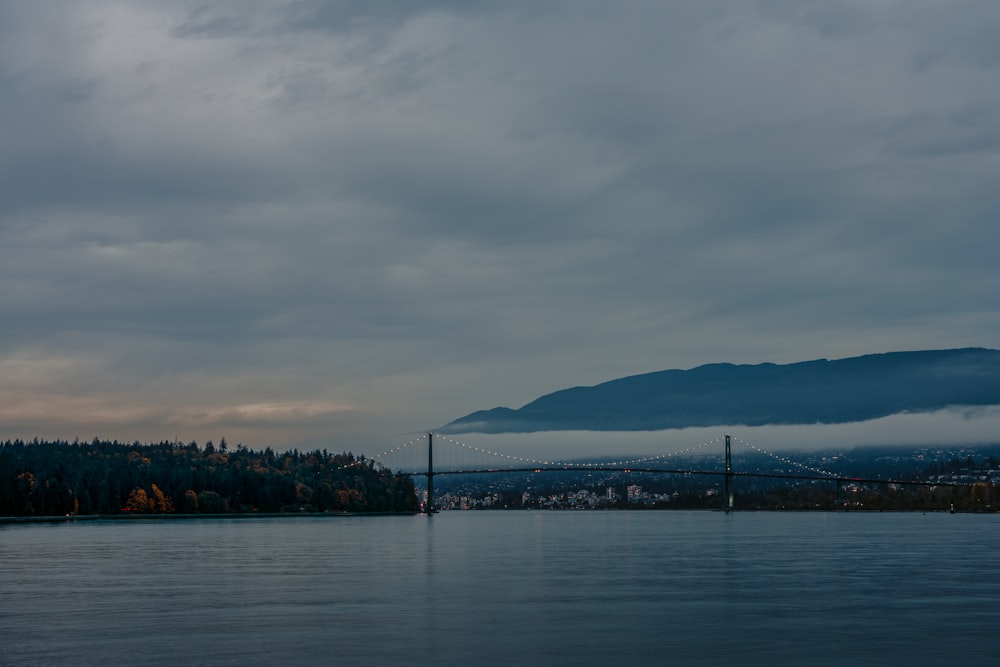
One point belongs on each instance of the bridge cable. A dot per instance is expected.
(788, 461)
(381, 455)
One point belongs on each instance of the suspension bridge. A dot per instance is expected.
(417, 457)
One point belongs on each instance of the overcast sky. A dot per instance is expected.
(336, 223)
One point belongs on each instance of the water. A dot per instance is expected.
(511, 588)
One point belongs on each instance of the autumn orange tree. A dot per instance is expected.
(138, 501)
(155, 502)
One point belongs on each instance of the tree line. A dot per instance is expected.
(55, 478)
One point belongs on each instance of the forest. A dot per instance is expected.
(41, 478)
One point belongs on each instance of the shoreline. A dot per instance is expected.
(12, 520)
(188, 517)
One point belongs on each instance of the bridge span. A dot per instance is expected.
(645, 465)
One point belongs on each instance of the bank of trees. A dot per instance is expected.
(41, 478)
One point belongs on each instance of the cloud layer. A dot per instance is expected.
(311, 223)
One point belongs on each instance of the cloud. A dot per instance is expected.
(418, 210)
(951, 427)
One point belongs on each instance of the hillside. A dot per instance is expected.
(808, 392)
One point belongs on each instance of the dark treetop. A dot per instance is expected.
(57, 478)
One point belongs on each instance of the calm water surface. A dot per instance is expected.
(505, 588)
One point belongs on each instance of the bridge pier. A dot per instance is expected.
(728, 497)
(429, 509)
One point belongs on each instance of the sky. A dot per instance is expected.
(337, 224)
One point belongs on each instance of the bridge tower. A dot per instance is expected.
(728, 500)
(430, 474)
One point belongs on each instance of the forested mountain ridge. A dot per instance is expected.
(808, 392)
(55, 478)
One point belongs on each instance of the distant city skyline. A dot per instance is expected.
(308, 224)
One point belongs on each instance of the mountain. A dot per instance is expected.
(808, 392)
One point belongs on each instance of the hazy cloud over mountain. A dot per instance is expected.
(329, 223)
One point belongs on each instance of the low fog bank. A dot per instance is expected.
(954, 426)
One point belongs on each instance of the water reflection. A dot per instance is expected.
(527, 588)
